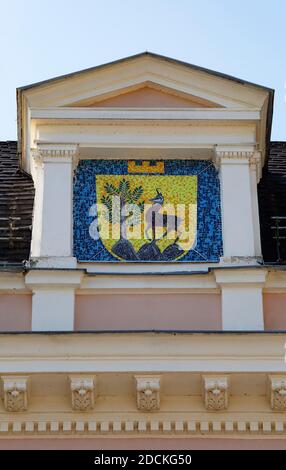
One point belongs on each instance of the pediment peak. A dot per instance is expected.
(160, 74)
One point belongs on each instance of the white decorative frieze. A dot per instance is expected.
(55, 151)
(148, 392)
(232, 154)
(216, 391)
(83, 393)
(15, 390)
(278, 393)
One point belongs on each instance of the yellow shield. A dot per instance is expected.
(156, 215)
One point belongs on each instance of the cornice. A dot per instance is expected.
(187, 426)
(142, 351)
(158, 114)
(130, 282)
(132, 405)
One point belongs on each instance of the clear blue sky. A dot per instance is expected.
(40, 39)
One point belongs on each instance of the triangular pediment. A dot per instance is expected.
(122, 93)
(145, 80)
(147, 96)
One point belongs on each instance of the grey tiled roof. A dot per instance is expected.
(17, 199)
(272, 202)
(16, 206)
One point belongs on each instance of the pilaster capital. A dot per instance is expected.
(216, 391)
(52, 153)
(148, 392)
(255, 163)
(15, 389)
(237, 156)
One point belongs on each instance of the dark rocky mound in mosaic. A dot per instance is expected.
(149, 252)
(171, 252)
(124, 249)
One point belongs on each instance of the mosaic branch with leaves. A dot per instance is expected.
(125, 196)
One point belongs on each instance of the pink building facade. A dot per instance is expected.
(142, 285)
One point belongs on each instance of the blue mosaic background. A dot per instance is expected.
(209, 233)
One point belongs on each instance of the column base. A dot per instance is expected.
(53, 298)
(56, 262)
(242, 302)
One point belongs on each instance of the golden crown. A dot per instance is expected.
(145, 166)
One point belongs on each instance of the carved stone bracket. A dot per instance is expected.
(82, 393)
(216, 392)
(148, 392)
(15, 391)
(278, 393)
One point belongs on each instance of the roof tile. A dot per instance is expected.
(272, 201)
(16, 206)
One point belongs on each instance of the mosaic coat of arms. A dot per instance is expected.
(140, 211)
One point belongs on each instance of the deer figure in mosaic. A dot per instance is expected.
(155, 220)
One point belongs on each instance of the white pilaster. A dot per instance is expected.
(239, 204)
(52, 226)
(53, 299)
(255, 175)
(241, 298)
